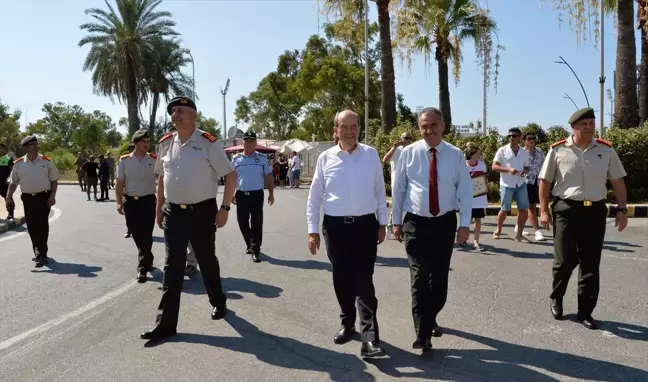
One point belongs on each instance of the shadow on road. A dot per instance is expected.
(299, 264)
(619, 329)
(280, 351)
(81, 270)
(231, 285)
(158, 239)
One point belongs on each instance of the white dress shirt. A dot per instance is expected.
(507, 158)
(411, 189)
(347, 184)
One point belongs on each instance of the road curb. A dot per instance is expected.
(11, 224)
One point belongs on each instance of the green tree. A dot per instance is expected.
(556, 133)
(405, 114)
(10, 134)
(439, 28)
(120, 42)
(209, 125)
(532, 127)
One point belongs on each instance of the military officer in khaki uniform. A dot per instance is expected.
(37, 177)
(136, 198)
(578, 168)
(78, 162)
(189, 164)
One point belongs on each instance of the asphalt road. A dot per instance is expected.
(79, 319)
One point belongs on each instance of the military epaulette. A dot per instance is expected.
(167, 136)
(19, 160)
(209, 137)
(152, 155)
(45, 157)
(124, 156)
(558, 143)
(608, 144)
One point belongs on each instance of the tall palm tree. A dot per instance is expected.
(440, 27)
(626, 107)
(119, 40)
(388, 82)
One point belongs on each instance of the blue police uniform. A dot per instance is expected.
(251, 172)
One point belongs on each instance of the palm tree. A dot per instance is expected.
(120, 40)
(626, 107)
(440, 27)
(388, 83)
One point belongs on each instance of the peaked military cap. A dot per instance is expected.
(28, 139)
(249, 135)
(139, 135)
(180, 101)
(586, 113)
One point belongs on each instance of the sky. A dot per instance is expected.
(242, 39)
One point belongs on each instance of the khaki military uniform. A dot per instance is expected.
(111, 165)
(78, 162)
(579, 213)
(35, 180)
(139, 203)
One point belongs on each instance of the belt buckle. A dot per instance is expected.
(183, 206)
(136, 197)
(246, 193)
(34, 194)
(349, 219)
(587, 203)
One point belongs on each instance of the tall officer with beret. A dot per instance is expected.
(135, 193)
(578, 168)
(37, 177)
(253, 172)
(189, 164)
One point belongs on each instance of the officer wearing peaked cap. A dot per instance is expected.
(189, 164)
(37, 177)
(578, 168)
(135, 193)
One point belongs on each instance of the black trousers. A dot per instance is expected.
(351, 246)
(140, 214)
(103, 185)
(579, 232)
(37, 219)
(4, 188)
(249, 213)
(184, 224)
(429, 243)
(91, 182)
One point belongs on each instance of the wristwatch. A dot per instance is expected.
(226, 208)
(622, 209)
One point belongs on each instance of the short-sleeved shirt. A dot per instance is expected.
(91, 169)
(251, 171)
(137, 174)
(536, 159)
(191, 170)
(110, 161)
(295, 163)
(6, 163)
(581, 174)
(34, 176)
(394, 161)
(79, 161)
(478, 169)
(506, 157)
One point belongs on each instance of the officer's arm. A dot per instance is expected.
(119, 188)
(616, 173)
(546, 176)
(269, 179)
(159, 171)
(222, 166)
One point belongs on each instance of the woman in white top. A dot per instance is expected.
(476, 166)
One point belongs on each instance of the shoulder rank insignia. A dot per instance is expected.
(19, 160)
(152, 155)
(124, 156)
(165, 137)
(601, 141)
(45, 157)
(209, 137)
(558, 143)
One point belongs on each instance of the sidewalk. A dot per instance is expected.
(19, 214)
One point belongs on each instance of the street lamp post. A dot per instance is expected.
(224, 93)
(366, 49)
(572, 101)
(562, 61)
(193, 78)
(602, 77)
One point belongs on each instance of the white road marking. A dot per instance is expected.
(60, 320)
(57, 214)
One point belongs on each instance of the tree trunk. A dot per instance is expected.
(444, 90)
(626, 108)
(643, 68)
(154, 107)
(131, 98)
(388, 85)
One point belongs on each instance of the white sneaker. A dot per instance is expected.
(524, 233)
(539, 236)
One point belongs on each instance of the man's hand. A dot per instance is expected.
(397, 143)
(621, 220)
(512, 171)
(159, 217)
(120, 207)
(398, 232)
(10, 202)
(221, 218)
(51, 201)
(381, 234)
(545, 219)
(233, 200)
(313, 242)
(462, 235)
(270, 199)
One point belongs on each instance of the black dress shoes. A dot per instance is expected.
(370, 349)
(423, 344)
(128, 234)
(436, 331)
(141, 276)
(255, 257)
(218, 312)
(587, 321)
(344, 335)
(157, 334)
(40, 261)
(557, 308)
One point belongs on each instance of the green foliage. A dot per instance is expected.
(63, 159)
(10, 133)
(209, 125)
(632, 147)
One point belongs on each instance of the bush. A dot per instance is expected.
(632, 147)
(63, 159)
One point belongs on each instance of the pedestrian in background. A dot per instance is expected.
(578, 168)
(477, 167)
(6, 165)
(78, 163)
(91, 170)
(295, 169)
(111, 165)
(104, 178)
(536, 158)
(37, 177)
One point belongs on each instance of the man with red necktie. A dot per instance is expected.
(431, 183)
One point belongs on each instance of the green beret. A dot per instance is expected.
(587, 113)
(180, 101)
(28, 139)
(140, 134)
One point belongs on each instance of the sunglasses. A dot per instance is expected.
(514, 135)
(408, 138)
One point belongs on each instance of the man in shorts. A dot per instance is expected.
(512, 162)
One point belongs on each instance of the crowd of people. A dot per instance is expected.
(436, 195)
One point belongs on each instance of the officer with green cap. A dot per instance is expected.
(135, 194)
(578, 168)
(6, 164)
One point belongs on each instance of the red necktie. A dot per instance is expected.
(434, 187)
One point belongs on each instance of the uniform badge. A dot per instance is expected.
(197, 148)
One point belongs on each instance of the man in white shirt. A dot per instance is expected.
(432, 182)
(295, 169)
(392, 157)
(349, 184)
(512, 162)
